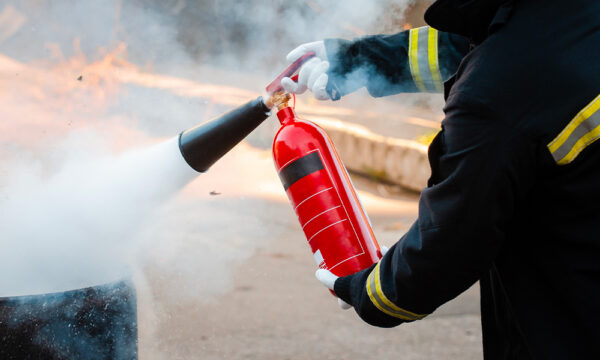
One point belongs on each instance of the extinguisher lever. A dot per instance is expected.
(275, 85)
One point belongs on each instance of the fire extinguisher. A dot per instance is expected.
(320, 190)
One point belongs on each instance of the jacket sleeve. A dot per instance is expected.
(481, 171)
(415, 60)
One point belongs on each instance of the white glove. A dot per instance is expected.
(313, 74)
(328, 279)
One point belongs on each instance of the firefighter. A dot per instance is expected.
(512, 201)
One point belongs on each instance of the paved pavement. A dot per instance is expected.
(271, 306)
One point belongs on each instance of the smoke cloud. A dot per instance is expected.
(92, 184)
(76, 227)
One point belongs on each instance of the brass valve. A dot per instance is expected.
(279, 99)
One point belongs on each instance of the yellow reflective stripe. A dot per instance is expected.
(374, 300)
(387, 301)
(580, 132)
(413, 58)
(381, 302)
(581, 144)
(434, 66)
(423, 59)
(590, 109)
(374, 297)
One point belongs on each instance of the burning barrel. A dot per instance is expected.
(98, 322)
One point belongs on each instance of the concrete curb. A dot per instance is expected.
(398, 161)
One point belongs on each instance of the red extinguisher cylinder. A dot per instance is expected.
(318, 186)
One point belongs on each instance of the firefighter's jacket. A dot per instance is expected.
(514, 196)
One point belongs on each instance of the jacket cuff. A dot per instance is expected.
(350, 288)
(341, 287)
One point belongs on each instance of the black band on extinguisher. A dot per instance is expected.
(299, 168)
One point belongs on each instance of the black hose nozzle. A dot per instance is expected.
(203, 145)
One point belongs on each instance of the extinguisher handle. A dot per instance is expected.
(275, 85)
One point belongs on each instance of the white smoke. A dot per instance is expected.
(77, 226)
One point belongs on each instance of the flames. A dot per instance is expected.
(42, 101)
(64, 84)
(97, 82)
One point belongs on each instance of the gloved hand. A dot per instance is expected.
(328, 279)
(313, 74)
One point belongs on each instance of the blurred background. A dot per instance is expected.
(221, 266)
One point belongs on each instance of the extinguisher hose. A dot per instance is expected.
(203, 145)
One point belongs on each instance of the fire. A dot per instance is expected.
(43, 100)
(97, 80)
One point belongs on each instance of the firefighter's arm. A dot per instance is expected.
(481, 172)
(416, 60)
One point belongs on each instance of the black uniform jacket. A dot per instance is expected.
(514, 196)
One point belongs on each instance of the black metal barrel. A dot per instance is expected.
(98, 322)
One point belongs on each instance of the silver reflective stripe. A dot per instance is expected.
(380, 301)
(423, 59)
(580, 132)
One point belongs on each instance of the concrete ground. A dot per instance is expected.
(274, 308)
